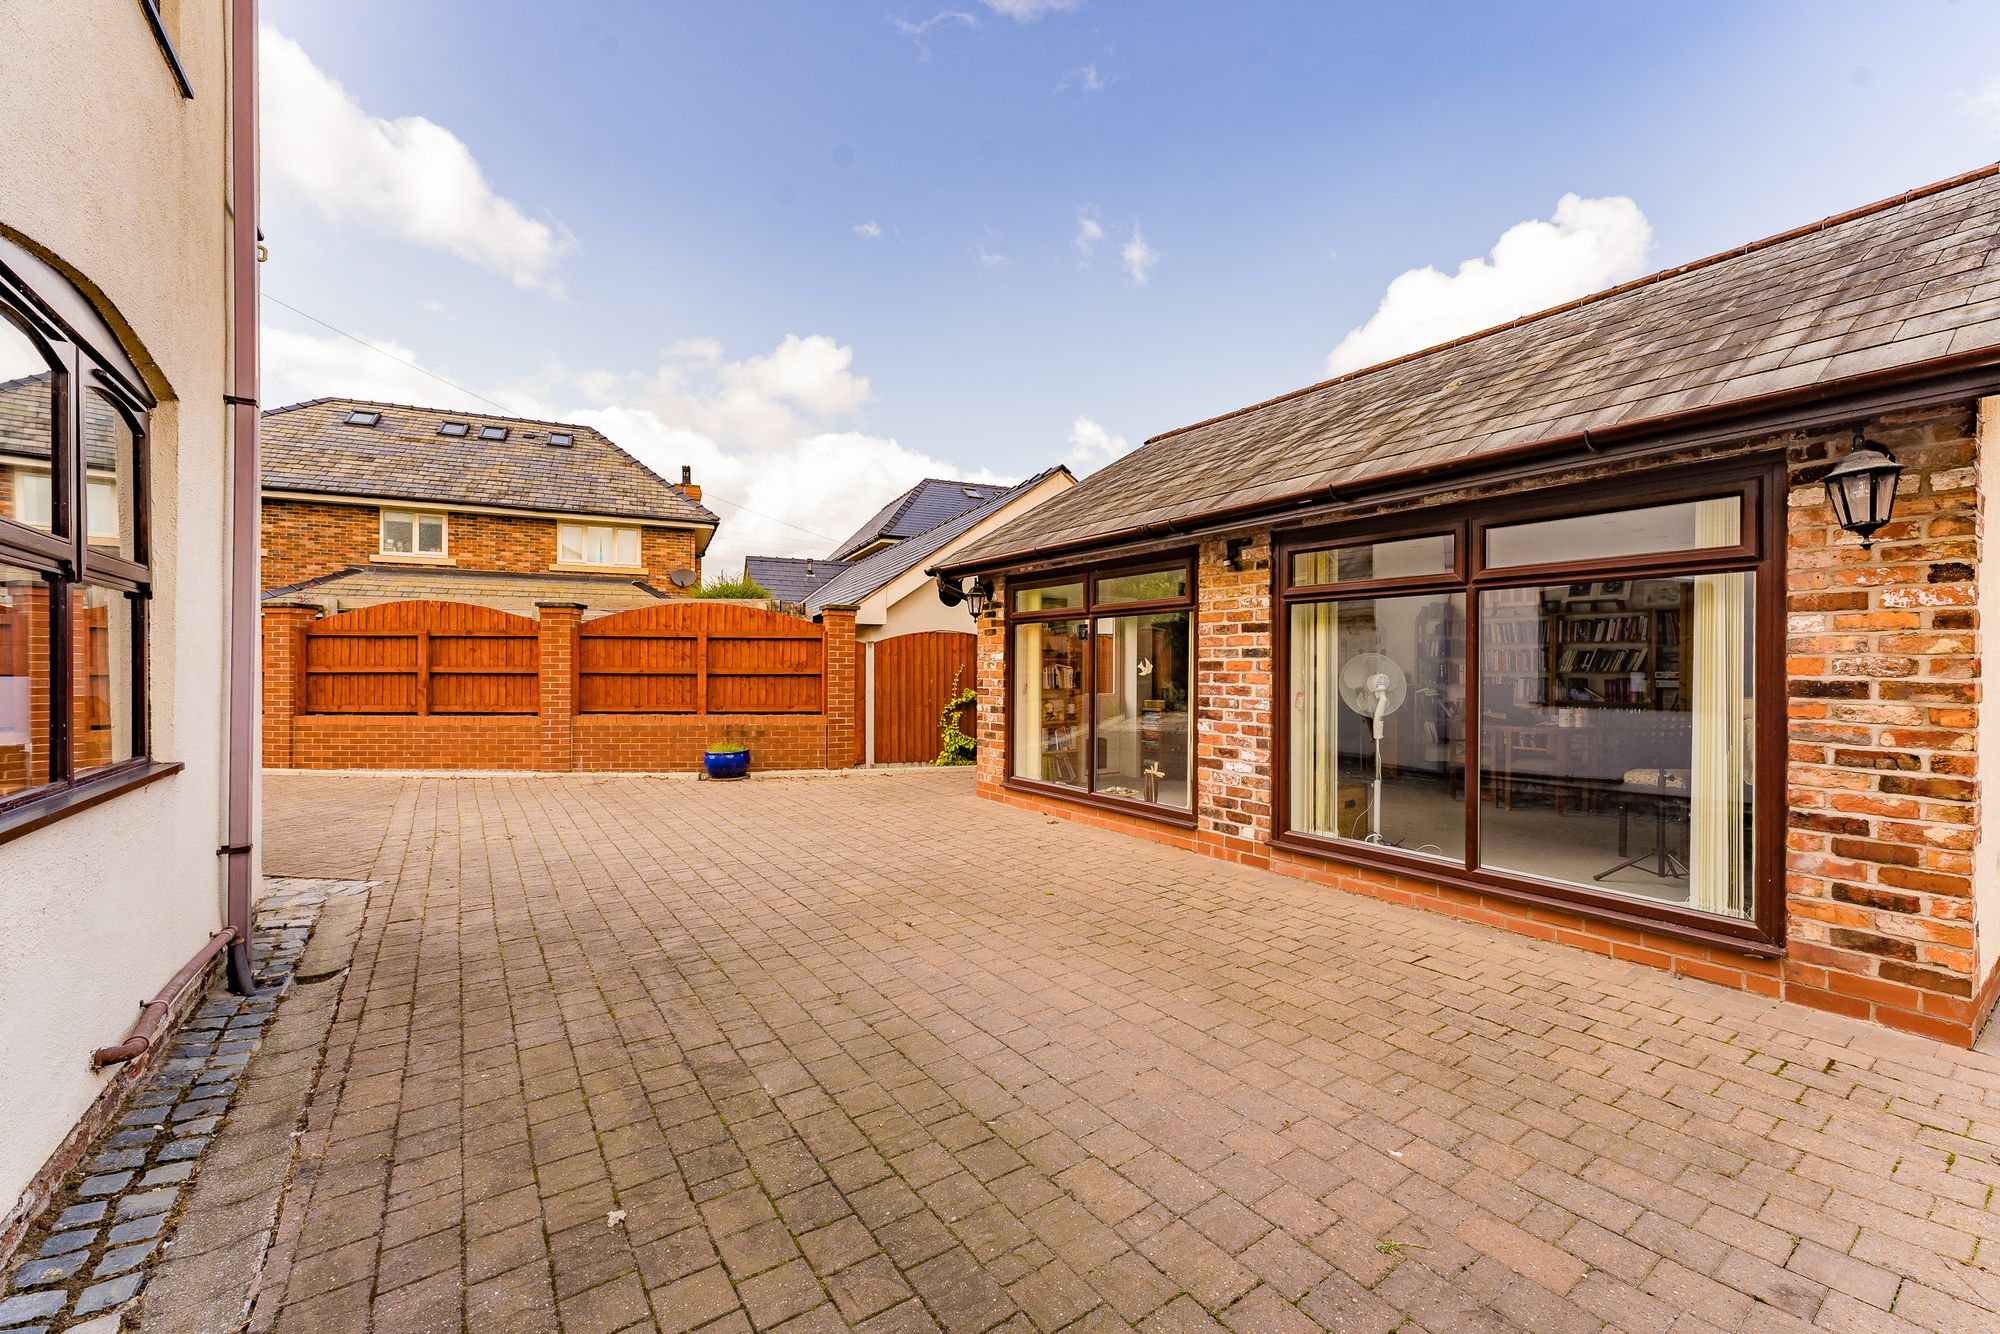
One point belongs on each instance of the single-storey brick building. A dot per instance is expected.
(1554, 627)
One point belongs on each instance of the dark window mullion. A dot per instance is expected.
(61, 685)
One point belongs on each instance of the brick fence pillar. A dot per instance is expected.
(284, 631)
(843, 687)
(555, 646)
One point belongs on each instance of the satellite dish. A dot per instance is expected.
(950, 593)
(684, 578)
(1374, 686)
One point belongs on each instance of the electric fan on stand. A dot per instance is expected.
(1374, 686)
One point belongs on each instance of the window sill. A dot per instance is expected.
(1168, 815)
(585, 567)
(34, 810)
(406, 558)
(1664, 919)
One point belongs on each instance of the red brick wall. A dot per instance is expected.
(673, 743)
(1883, 671)
(304, 539)
(400, 741)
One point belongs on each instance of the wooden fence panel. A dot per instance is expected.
(702, 658)
(419, 657)
(912, 679)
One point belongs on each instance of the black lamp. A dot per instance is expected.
(1862, 488)
(978, 596)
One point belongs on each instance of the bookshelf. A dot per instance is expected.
(1062, 730)
(1607, 651)
(1440, 683)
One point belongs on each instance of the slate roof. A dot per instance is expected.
(918, 510)
(1889, 287)
(24, 422)
(791, 578)
(368, 585)
(310, 447)
(870, 573)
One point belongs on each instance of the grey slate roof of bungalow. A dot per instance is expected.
(791, 578)
(312, 447)
(918, 510)
(864, 577)
(1909, 284)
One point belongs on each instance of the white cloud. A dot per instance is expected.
(1985, 104)
(1089, 231)
(1091, 447)
(1086, 77)
(798, 499)
(870, 229)
(298, 366)
(991, 259)
(1139, 257)
(802, 386)
(1027, 11)
(410, 177)
(918, 32)
(1589, 244)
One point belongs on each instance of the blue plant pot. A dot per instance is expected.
(726, 763)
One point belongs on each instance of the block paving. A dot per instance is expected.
(88, 1255)
(866, 1052)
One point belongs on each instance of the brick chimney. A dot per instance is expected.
(692, 491)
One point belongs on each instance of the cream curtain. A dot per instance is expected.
(1716, 657)
(1314, 743)
(1028, 700)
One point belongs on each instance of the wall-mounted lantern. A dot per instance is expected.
(1862, 488)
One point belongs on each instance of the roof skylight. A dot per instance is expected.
(453, 428)
(561, 439)
(492, 433)
(360, 418)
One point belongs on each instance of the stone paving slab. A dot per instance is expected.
(814, 1054)
(95, 1246)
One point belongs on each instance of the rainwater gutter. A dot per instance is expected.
(244, 508)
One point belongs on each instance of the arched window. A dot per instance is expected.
(74, 571)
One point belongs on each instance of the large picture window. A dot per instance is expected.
(1560, 705)
(74, 573)
(1101, 674)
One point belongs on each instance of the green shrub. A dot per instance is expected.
(958, 748)
(738, 585)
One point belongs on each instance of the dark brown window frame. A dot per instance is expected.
(1761, 484)
(68, 563)
(1088, 574)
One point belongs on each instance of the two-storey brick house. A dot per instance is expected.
(370, 502)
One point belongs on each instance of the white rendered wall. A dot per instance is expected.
(1986, 855)
(106, 171)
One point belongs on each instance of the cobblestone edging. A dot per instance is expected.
(90, 1252)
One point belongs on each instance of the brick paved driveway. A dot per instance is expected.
(865, 1051)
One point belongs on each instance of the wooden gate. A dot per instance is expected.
(910, 678)
(419, 658)
(701, 657)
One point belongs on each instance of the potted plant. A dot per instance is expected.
(727, 758)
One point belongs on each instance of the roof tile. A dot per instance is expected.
(1887, 287)
(310, 447)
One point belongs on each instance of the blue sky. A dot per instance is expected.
(622, 212)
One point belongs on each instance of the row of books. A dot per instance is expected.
(1602, 660)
